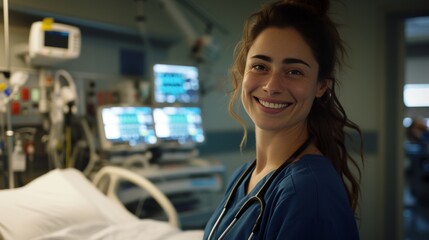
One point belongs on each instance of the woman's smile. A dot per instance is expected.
(272, 106)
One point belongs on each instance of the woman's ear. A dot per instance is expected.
(322, 86)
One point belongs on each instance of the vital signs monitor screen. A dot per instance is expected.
(179, 124)
(175, 84)
(131, 125)
(57, 39)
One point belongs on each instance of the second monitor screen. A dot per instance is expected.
(179, 124)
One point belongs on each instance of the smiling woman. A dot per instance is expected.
(280, 84)
(301, 185)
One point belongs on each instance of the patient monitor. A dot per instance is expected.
(178, 127)
(51, 43)
(175, 84)
(126, 128)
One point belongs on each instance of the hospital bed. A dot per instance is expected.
(64, 204)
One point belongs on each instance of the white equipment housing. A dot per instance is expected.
(52, 44)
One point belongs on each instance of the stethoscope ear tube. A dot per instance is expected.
(228, 228)
(261, 211)
(215, 226)
(258, 198)
(242, 210)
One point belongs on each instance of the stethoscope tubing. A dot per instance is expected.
(228, 202)
(258, 197)
(242, 210)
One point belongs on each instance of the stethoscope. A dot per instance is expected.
(258, 198)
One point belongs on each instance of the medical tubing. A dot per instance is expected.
(93, 156)
(56, 133)
(81, 144)
(68, 142)
(57, 124)
(70, 161)
(43, 100)
(139, 207)
(71, 84)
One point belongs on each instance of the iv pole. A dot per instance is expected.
(9, 132)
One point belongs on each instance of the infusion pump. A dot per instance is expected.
(51, 43)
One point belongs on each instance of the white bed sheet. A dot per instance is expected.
(65, 202)
(144, 229)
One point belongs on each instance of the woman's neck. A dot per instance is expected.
(273, 148)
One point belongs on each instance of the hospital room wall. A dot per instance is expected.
(361, 91)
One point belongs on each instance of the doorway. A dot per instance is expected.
(392, 132)
(416, 123)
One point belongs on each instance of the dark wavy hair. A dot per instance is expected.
(327, 120)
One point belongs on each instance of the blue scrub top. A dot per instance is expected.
(307, 200)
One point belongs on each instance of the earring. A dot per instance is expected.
(326, 97)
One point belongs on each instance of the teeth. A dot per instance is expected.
(272, 105)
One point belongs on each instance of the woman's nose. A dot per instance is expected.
(273, 84)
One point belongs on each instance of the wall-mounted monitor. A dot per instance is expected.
(126, 127)
(53, 43)
(181, 125)
(175, 84)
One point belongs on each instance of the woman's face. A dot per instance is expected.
(280, 80)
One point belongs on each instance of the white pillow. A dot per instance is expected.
(53, 201)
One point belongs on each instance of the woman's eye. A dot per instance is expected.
(294, 72)
(259, 67)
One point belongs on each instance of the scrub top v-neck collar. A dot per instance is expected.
(241, 193)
